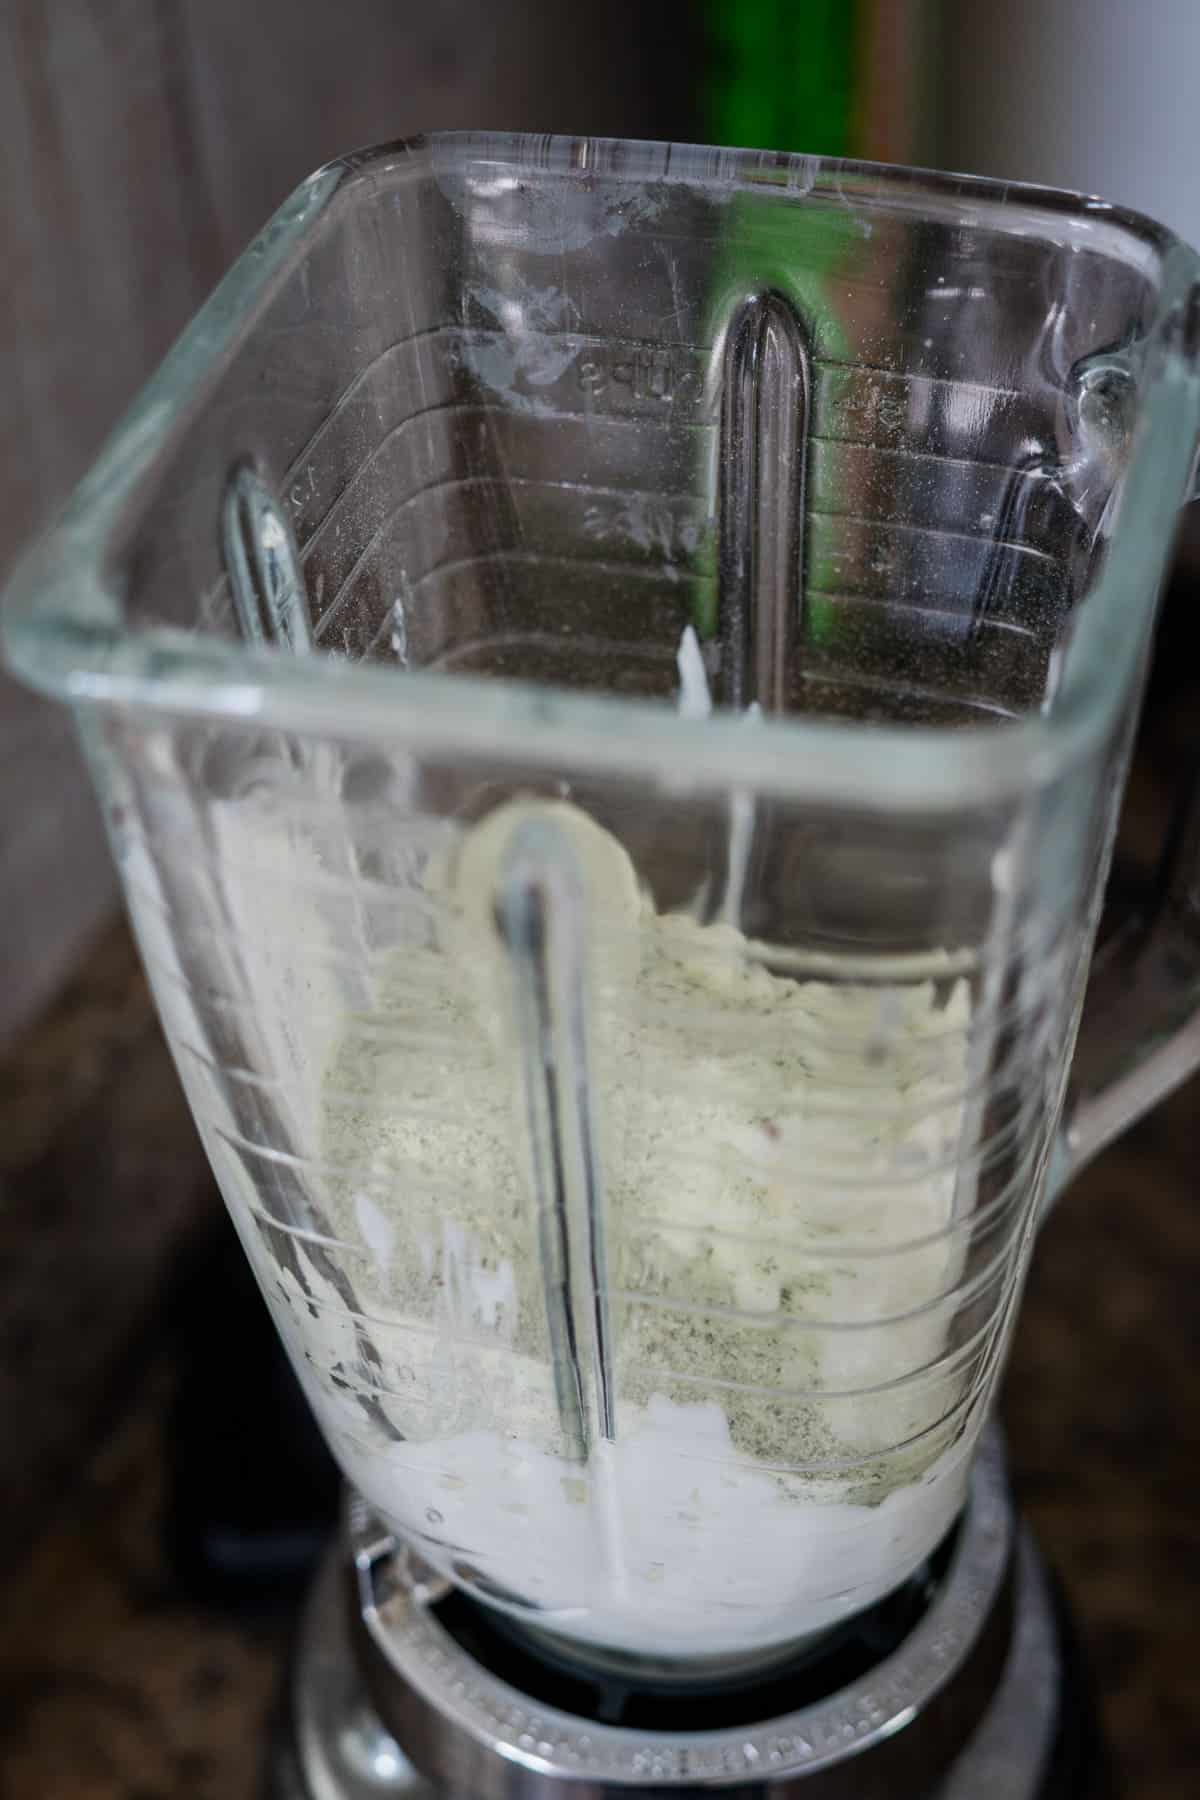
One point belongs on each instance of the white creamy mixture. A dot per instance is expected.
(764, 1141)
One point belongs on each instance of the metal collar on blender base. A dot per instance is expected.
(911, 1729)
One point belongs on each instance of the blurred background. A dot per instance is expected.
(141, 144)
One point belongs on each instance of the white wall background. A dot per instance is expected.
(1102, 95)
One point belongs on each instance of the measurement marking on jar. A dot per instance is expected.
(303, 489)
(643, 372)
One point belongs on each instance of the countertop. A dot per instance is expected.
(116, 1685)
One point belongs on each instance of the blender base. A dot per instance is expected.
(979, 1697)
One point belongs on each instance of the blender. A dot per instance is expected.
(610, 669)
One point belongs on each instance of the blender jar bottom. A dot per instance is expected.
(652, 1553)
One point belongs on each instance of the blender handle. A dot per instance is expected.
(1139, 1036)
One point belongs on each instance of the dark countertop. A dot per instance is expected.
(115, 1685)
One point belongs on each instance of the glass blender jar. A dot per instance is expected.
(610, 670)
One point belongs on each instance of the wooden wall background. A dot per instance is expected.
(141, 143)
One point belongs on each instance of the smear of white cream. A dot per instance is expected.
(695, 699)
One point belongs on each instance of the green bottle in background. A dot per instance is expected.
(824, 77)
(781, 74)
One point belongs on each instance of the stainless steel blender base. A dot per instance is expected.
(966, 1708)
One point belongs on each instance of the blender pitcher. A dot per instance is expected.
(610, 670)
